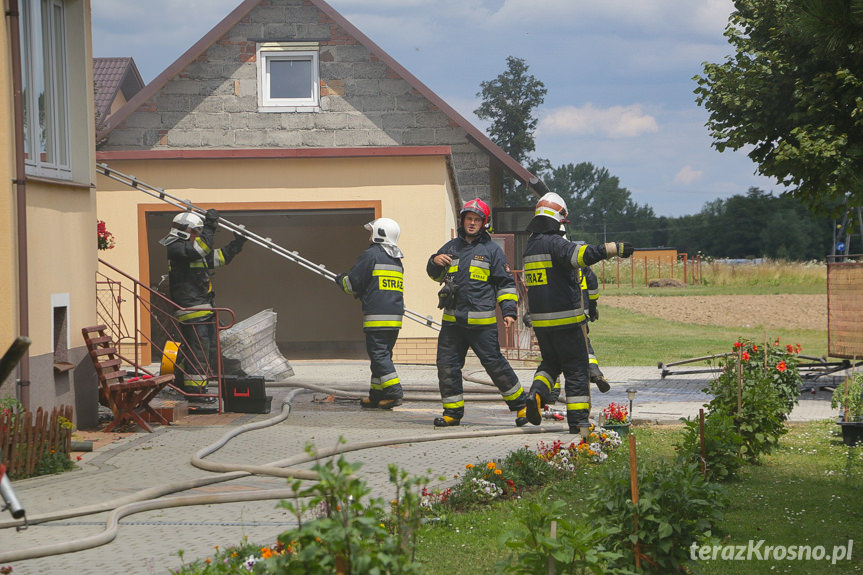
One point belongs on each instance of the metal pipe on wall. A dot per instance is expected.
(13, 16)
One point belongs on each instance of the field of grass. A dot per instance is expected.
(622, 337)
(807, 493)
(625, 338)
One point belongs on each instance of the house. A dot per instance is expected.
(48, 256)
(116, 81)
(292, 122)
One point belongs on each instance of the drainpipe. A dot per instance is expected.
(21, 200)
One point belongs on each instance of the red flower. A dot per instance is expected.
(781, 366)
(737, 345)
(789, 348)
(745, 356)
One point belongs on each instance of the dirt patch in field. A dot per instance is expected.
(788, 311)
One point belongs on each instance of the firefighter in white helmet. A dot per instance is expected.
(377, 278)
(557, 309)
(191, 262)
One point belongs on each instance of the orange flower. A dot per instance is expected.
(469, 466)
(266, 552)
(745, 356)
(490, 465)
(498, 471)
(781, 366)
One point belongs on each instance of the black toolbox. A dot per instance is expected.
(245, 394)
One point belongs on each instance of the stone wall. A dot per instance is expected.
(213, 102)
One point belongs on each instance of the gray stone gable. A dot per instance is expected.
(213, 102)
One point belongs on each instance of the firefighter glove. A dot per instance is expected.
(239, 239)
(593, 312)
(525, 319)
(211, 217)
(619, 249)
(339, 279)
(447, 294)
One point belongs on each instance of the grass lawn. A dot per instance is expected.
(622, 337)
(808, 493)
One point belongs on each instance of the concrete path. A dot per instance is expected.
(125, 464)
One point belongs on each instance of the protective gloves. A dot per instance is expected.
(620, 249)
(593, 312)
(211, 217)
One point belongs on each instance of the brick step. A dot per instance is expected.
(170, 409)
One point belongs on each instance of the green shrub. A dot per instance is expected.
(676, 506)
(574, 548)
(526, 468)
(722, 445)
(769, 390)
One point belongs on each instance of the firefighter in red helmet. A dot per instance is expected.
(476, 279)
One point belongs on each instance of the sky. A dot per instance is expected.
(618, 74)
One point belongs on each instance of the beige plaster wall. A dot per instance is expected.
(415, 191)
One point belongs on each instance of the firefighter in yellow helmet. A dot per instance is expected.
(556, 306)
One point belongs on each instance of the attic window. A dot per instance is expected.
(288, 77)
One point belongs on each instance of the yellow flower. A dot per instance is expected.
(490, 465)
(266, 552)
(498, 472)
(469, 466)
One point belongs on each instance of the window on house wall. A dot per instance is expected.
(45, 88)
(288, 78)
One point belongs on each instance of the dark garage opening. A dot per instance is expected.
(316, 320)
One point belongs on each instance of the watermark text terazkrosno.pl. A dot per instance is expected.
(760, 551)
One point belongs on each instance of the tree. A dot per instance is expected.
(509, 102)
(792, 95)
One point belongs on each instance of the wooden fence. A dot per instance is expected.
(26, 437)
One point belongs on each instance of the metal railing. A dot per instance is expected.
(142, 323)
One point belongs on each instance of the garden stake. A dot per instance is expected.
(739, 381)
(553, 535)
(701, 439)
(633, 482)
(845, 415)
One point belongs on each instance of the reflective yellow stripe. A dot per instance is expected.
(454, 405)
(194, 315)
(447, 317)
(517, 393)
(393, 381)
(574, 406)
(580, 255)
(537, 265)
(507, 296)
(543, 379)
(382, 324)
(561, 321)
(479, 320)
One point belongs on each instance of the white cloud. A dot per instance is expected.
(615, 122)
(687, 175)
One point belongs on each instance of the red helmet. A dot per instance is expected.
(476, 206)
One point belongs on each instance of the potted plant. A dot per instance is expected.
(615, 417)
(848, 396)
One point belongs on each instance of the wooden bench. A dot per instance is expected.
(128, 399)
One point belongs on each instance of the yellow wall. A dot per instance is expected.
(414, 191)
(8, 292)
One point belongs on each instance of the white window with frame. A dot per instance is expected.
(45, 89)
(288, 77)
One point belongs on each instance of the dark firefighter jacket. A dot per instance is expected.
(484, 280)
(378, 279)
(189, 265)
(555, 301)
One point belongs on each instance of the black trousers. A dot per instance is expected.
(385, 382)
(452, 345)
(564, 351)
(198, 352)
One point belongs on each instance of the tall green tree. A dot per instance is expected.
(792, 94)
(509, 102)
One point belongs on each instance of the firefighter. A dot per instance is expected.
(191, 262)
(377, 278)
(475, 278)
(590, 290)
(556, 305)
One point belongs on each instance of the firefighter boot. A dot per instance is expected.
(598, 378)
(368, 403)
(534, 408)
(446, 421)
(521, 417)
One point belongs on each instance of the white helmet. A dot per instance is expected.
(188, 221)
(552, 206)
(183, 224)
(386, 232)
